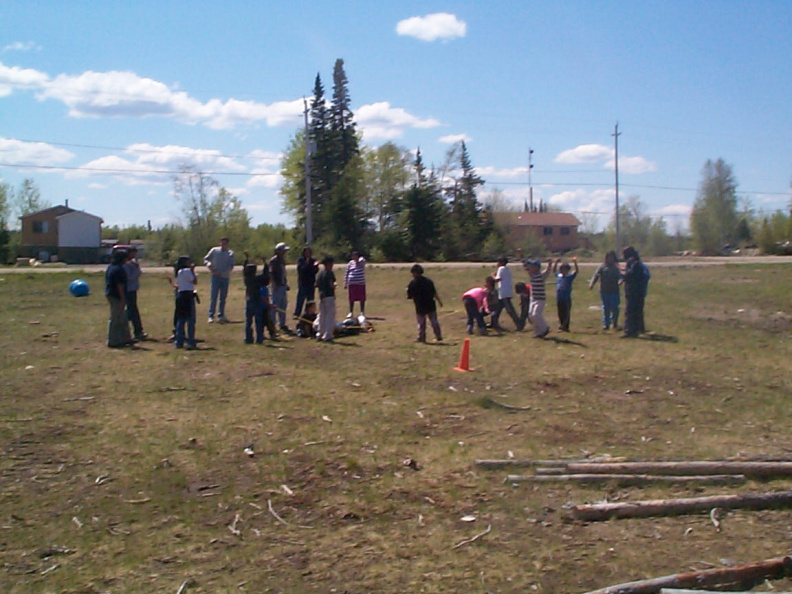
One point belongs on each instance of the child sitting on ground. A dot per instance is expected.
(305, 323)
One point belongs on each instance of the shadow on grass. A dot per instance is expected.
(558, 340)
(654, 337)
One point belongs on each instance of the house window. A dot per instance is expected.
(547, 231)
(40, 226)
(564, 230)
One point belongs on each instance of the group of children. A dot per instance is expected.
(496, 295)
(479, 302)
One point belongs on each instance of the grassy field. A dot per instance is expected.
(125, 471)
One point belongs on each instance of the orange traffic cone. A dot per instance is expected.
(464, 359)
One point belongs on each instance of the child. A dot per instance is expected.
(493, 304)
(538, 296)
(326, 285)
(564, 280)
(186, 280)
(422, 291)
(525, 302)
(305, 323)
(256, 304)
(355, 283)
(609, 275)
(475, 302)
(503, 277)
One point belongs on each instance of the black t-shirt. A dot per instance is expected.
(115, 275)
(306, 271)
(422, 291)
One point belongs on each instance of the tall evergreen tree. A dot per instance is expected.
(423, 213)
(468, 223)
(342, 123)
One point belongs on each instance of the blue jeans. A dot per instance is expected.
(185, 311)
(254, 317)
(279, 301)
(610, 309)
(133, 313)
(219, 288)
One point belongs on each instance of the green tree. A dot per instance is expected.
(386, 177)
(422, 216)
(28, 198)
(336, 171)
(713, 221)
(6, 193)
(469, 222)
(209, 211)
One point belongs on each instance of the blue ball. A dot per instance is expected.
(79, 288)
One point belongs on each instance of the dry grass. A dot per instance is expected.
(124, 471)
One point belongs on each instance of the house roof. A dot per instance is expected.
(537, 219)
(79, 213)
(56, 211)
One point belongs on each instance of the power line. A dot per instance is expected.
(131, 150)
(131, 171)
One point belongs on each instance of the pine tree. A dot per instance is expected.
(468, 223)
(423, 214)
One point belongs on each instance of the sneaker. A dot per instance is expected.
(210, 320)
(191, 347)
(420, 340)
(223, 320)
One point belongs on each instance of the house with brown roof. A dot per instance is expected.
(557, 230)
(61, 233)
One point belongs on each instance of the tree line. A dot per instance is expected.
(387, 203)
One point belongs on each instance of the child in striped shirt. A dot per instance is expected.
(538, 296)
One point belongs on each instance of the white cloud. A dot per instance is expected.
(381, 121)
(22, 46)
(595, 153)
(454, 138)
(440, 25)
(585, 153)
(125, 94)
(634, 165)
(488, 173)
(148, 164)
(12, 77)
(32, 153)
(675, 210)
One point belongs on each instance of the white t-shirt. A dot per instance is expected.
(185, 280)
(505, 290)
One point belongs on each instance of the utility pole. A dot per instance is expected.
(616, 135)
(530, 187)
(308, 206)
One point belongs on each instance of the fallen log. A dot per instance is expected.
(674, 507)
(627, 480)
(743, 576)
(543, 470)
(677, 591)
(498, 464)
(749, 469)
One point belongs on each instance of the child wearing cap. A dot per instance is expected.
(279, 286)
(564, 279)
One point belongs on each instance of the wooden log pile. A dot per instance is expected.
(646, 473)
(727, 578)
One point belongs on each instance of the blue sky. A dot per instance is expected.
(99, 101)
